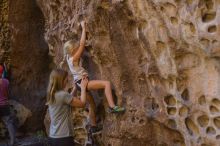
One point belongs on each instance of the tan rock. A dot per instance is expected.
(129, 45)
(162, 57)
(21, 112)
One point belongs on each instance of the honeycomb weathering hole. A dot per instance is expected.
(170, 100)
(203, 120)
(189, 2)
(192, 27)
(216, 102)
(174, 20)
(210, 130)
(209, 4)
(204, 41)
(171, 123)
(213, 109)
(183, 111)
(161, 45)
(162, 9)
(141, 121)
(189, 26)
(191, 126)
(218, 137)
(171, 110)
(169, 6)
(214, 42)
(217, 122)
(202, 100)
(185, 95)
(208, 17)
(212, 28)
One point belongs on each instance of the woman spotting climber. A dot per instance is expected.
(60, 103)
(73, 51)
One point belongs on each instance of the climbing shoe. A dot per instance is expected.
(95, 129)
(116, 109)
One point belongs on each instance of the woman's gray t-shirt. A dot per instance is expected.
(60, 115)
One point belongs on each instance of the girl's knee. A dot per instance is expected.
(107, 84)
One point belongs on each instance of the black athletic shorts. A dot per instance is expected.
(4, 110)
(65, 141)
(78, 85)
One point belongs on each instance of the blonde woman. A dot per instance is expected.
(60, 103)
(72, 54)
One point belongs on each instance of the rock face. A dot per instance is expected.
(19, 113)
(29, 59)
(4, 31)
(162, 58)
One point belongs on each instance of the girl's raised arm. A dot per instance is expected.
(78, 53)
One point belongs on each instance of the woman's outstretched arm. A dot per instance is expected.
(82, 101)
(78, 53)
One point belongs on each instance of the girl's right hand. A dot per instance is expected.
(84, 83)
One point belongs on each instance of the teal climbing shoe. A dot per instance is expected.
(116, 109)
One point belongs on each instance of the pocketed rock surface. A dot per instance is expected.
(161, 56)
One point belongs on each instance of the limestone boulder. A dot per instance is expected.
(162, 57)
(19, 113)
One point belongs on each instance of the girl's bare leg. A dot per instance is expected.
(106, 85)
(92, 108)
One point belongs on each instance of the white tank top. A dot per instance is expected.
(77, 71)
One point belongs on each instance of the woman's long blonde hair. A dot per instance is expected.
(68, 49)
(56, 83)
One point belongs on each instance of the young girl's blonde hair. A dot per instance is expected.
(68, 49)
(56, 83)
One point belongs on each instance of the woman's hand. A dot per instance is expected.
(84, 83)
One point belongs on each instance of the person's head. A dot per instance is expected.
(1, 70)
(70, 47)
(57, 82)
